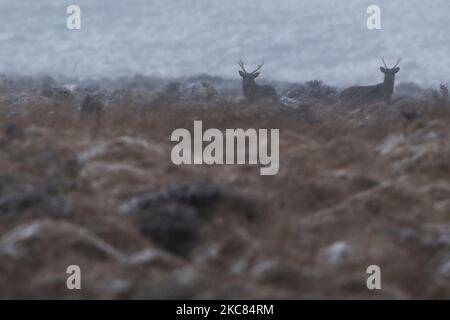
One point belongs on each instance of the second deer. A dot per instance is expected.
(252, 90)
(379, 92)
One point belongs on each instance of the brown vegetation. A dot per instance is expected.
(356, 187)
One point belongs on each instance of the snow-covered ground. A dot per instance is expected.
(299, 40)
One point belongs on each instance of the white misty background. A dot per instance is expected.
(299, 40)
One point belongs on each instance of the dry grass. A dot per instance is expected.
(352, 191)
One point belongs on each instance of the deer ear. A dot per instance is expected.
(396, 69)
(241, 74)
(383, 69)
(255, 75)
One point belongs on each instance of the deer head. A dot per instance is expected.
(249, 76)
(389, 77)
(253, 91)
(390, 72)
(248, 79)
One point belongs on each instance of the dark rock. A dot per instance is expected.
(171, 217)
(173, 227)
(410, 114)
(197, 195)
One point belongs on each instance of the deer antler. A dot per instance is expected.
(258, 67)
(241, 64)
(384, 62)
(398, 61)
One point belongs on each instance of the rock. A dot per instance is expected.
(171, 216)
(338, 253)
(410, 114)
(173, 227)
(197, 195)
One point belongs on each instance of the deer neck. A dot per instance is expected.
(388, 85)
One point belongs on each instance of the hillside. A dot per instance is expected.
(357, 186)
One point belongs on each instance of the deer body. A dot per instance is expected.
(379, 92)
(253, 91)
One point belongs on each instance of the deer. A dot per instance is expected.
(378, 92)
(252, 90)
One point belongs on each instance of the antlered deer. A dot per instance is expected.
(381, 91)
(253, 91)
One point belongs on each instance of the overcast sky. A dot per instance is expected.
(299, 40)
